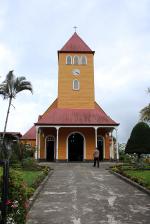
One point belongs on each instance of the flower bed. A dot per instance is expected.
(22, 184)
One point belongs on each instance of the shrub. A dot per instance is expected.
(17, 202)
(30, 164)
(139, 141)
(21, 152)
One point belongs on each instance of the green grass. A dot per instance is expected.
(141, 175)
(29, 177)
(1, 171)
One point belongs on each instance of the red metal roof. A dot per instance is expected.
(58, 116)
(74, 117)
(30, 134)
(76, 44)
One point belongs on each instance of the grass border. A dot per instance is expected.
(129, 181)
(38, 190)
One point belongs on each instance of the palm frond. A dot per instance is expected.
(22, 84)
(13, 85)
(3, 90)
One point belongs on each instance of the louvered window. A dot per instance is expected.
(68, 60)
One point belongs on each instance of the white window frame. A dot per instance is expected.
(67, 60)
(78, 59)
(73, 87)
(83, 56)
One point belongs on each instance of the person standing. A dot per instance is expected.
(96, 157)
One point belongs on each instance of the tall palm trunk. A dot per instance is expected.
(5, 190)
(8, 110)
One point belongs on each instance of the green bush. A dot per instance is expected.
(30, 164)
(21, 152)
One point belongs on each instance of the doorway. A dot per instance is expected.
(50, 148)
(100, 146)
(75, 147)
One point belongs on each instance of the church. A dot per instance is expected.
(74, 124)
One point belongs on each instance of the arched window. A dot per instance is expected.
(83, 60)
(76, 84)
(68, 60)
(76, 60)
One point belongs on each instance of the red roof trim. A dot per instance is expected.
(76, 117)
(79, 52)
(76, 125)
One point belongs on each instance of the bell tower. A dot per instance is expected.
(76, 75)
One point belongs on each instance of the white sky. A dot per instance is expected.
(32, 31)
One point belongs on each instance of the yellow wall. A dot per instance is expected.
(89, 134)
(89, 141)
(45, 132)
(69, 98)
(29, 142)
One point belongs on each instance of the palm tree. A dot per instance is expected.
(9, 88)
(145, 112)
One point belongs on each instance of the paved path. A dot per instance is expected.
(82, 194)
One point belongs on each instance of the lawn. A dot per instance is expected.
(140, 176)
(31, 178)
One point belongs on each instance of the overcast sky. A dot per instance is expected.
(31, 32)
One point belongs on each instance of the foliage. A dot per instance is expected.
(17, 199)
(9, 88)
(145, 112)
(139, 141)
(13, 85)
(22, 185)
(30, 164)
(20, 152)
(142, 177)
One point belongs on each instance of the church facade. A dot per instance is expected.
(74, 124)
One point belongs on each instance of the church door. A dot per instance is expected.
(100, 146)
(75, 147)
(50, 148)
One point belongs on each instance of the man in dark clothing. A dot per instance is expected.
(96, 157)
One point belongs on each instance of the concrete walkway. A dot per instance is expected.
(78, 193)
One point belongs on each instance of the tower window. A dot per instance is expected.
(83, 60)
(68, 60)
(76, 84)
(76, 60)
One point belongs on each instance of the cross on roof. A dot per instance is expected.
(75, 27)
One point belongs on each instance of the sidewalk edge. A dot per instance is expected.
(38, 190)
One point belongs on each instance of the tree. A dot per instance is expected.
(9, 88)
(139, 141)
(145, 112)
